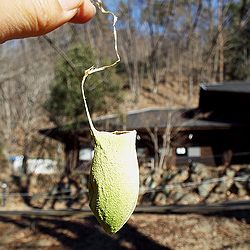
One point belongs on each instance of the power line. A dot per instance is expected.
(245, 178)
(61, 195)
(41, 194)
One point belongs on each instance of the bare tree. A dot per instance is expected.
(221, 40)
(130, 47)
(23, 89)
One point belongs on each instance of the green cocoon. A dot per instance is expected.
(114, 178)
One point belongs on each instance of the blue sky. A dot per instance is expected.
(111, 4)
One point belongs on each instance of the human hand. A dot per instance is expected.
(28, 18)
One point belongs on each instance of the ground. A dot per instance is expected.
(141, 232)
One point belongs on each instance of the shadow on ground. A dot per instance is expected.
(241, 215)
(86, 234)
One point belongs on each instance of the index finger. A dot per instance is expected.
(85, 13)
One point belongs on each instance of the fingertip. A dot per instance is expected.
(85, 13)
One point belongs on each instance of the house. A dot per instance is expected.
(34, 166)
(216, 132)
(222, 131)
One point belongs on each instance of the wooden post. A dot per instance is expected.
(71, 154)
(4, 187)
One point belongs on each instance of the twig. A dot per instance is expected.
(92, 69)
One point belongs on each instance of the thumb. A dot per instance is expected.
(26, 18)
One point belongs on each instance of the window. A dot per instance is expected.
(181, 151)
(86, 154)
(194, 152)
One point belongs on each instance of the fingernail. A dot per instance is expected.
(70, 4)
(88, 2)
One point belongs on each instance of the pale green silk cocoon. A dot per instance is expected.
(114, 179)
(114, 176)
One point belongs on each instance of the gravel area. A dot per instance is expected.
(143, 231)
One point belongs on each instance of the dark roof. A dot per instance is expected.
(160, 118)
(137, 119)
(227, 101)
(221, 106)
(141, 120)
(233, 87)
